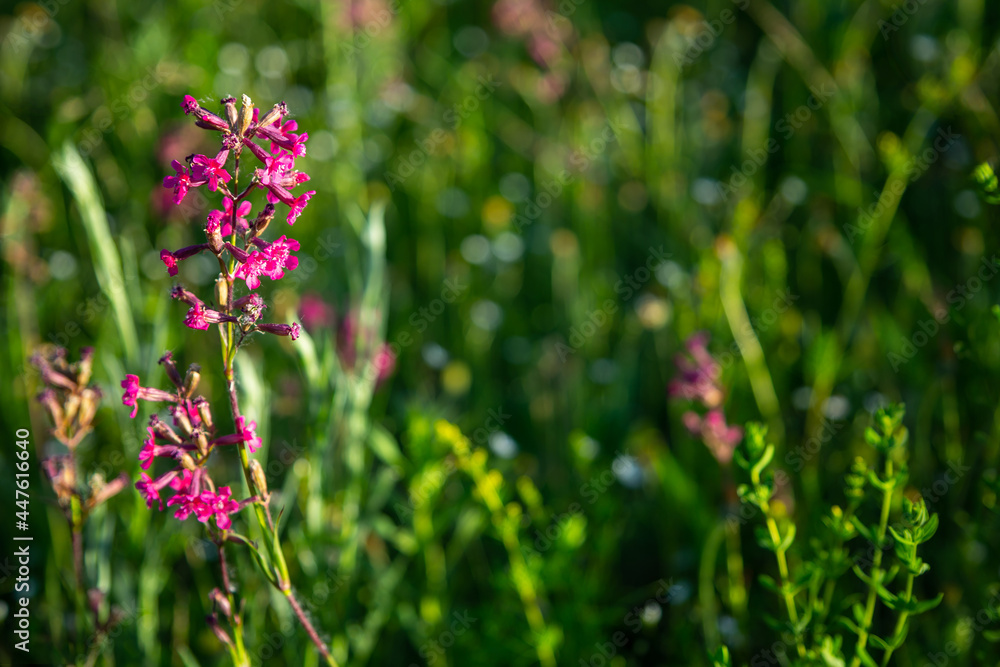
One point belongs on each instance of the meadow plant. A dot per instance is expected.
(71, 403)
(818, 603)
(243, 255)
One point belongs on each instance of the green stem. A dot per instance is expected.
(876, 572)
(903, 616)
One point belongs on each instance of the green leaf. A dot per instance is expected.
(918, 607)
(866, 659)
(879, 643)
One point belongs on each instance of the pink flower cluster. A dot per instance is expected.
(698, 380)
(230, 235)
(278, 176)
(188, 443)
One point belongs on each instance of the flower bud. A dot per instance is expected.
(48, 398)
(259, 480)
(246, 115)
(191, 379)
(188, 463)
(163, 430)
(201, 440)
(277, 112)
(88, 406)
(263, 220)
(85, 366)
(167, 360)
(181, 419)
(292, 330)
(72, 406)
(205, 412)
(222, 290)
(231, 114)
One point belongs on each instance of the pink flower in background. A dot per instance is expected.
(720, 439)
(698, 374)
(315, 313)
(698, 381)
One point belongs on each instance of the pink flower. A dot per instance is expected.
(220, 505)
(698, 378)
(148, 450)
(315, 312)
(242, 211)
(133, 392)
(183, 482)
(168, 258)
(248, 434)
(384, 362)
(150, 488)
(171, 258)
(196, 318)
(297, 206)
(271, 262)
(180, 183)
(131, 386)
(720, 438)
(211, 170)
(275, 168)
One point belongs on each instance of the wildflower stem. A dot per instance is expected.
(901, 622)
(310, 630)
(268, 529)
(876, 571)
(236, 620)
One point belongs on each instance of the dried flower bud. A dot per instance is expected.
(85, 366)
(259, 480)
(263, 220)
(220, 599)
(48, 398)
(187, 462)
(181, 419)
(163, 430)
(90, 398)
(222, 290)
(72, 406)
(277, 112)
(205, 412)
(246, 115)
(292, 330)
(191, 379)
(231, 113)
(201, 441)
(167, 360)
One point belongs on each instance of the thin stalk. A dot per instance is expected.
(903, 616)
(876, 572)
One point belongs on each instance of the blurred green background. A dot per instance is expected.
(570, 191)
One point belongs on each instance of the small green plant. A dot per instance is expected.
(819, 604)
